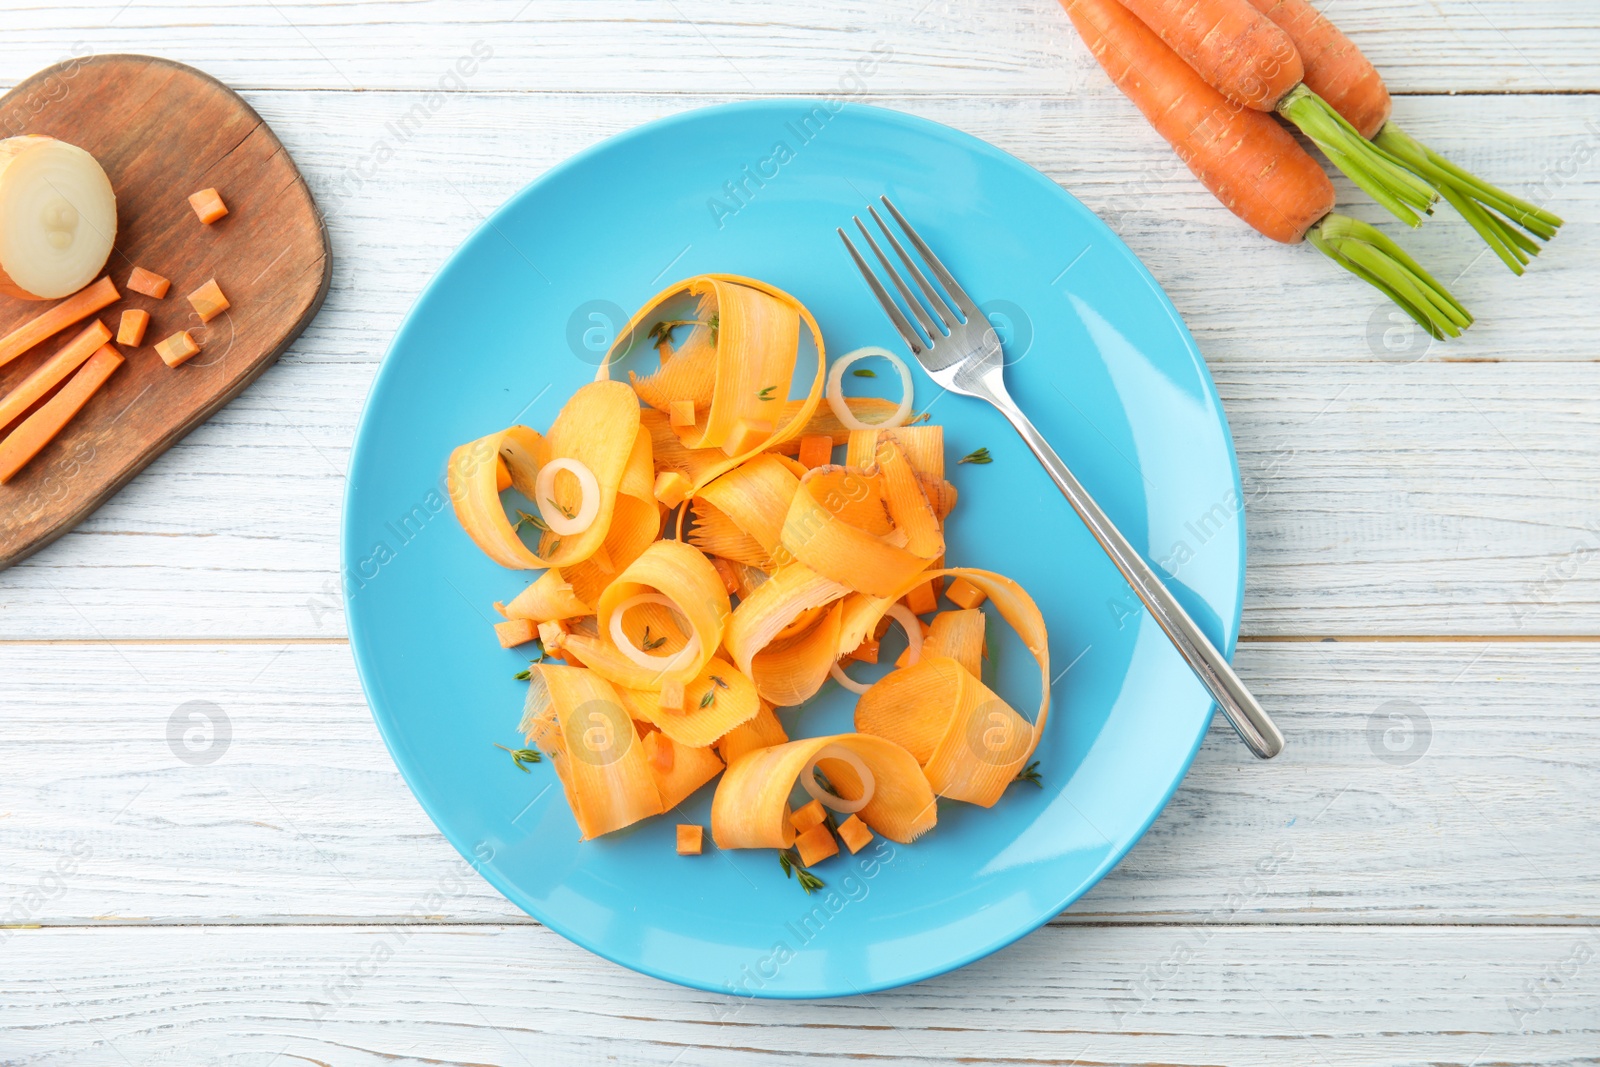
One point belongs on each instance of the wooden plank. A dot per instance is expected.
(302, 816)
(477, 995)
(270, 255)
(745, 46)
(1430, 498)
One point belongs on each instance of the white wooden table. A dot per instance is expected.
(1414, 881)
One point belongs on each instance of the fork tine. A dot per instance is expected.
(936, 301)
(908, 333)
(921, 313)
(963, 301)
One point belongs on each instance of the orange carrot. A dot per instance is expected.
(130, 331)
(71, 356)
(177, 349)
(40, 428)
(1252, 61)
(1338, 72)
(73, 309)
(208, 301)
(148, 283)
(1252, 164)
(208, 205)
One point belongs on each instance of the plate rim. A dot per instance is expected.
(361, 443)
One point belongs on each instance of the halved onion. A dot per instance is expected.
(645, 659)
(588, 487)
(58, 218)
(835, 391)
(808, 779)
(913, 628)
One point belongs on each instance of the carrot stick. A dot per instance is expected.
(1254, 63)
(1252, 164)
(40, 428)
(75, 308)
(57, 367)
(1338, 72)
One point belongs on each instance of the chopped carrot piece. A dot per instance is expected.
(499, 605)
(964, 594)
(177, 348)
(130, 331)
(923, 599)
(502, 475)
(807, 817)
(816, 845)
(730, 576)
(148, 283)
(73, 355)
(816, 450)
(866, 651)
(745, 435)
(658, 750)
(854, 833)
(691, 839)
(40, 428)
(514, 632)
(672, 697)
(207, 204)
(208, 301)
(671, 488)
(682, 412)
(553, 634)
(73, 309)
(882, 628)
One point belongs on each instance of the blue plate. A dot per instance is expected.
(517, 320)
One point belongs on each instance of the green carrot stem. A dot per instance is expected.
(1382, 176)
(1441, 172)
(1495, 231)
(1370, 255)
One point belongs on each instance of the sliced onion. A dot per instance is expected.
(913, 628)
(58, 217)
(638, 655)
(835, 392)
(808, 779)
(544, 487)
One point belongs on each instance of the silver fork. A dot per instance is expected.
(959, 350)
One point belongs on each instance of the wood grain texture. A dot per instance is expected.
(713, 46)
(301, 816)
(405, 997)
(162, 131)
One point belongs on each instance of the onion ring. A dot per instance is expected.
(835, 390)
(640, 657)
(913, 628)
(545, 487)
(808, 779)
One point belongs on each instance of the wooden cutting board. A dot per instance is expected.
(162, 131)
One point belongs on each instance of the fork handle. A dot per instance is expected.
(1254, 725)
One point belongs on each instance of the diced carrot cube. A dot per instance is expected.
(208, 301)
(207, 204)
(730, 576)
(553, 634)
(502, 475)
(658, 750)
(130, 331)
(807, 817)
(691, 839)
(177, 348)
(964, 594)
(816, 450)
(923, 599)
(671, 488)
(681, 412)
(866, 651)
(672, 697)
(854, 833)
(514, 632)
(148, 283)
(816, 845)
(746, 435)
(882, 628)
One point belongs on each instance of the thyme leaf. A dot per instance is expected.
(651, 642)
(532, 520)
(865, 372)
(521, 756)
(979, 456)
(1030, 774)
(710, 697)
(766, 394)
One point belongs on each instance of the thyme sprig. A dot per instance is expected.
(979, 456)
(808, 881)
(522, 756)
(1030, 774)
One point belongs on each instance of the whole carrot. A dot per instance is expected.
(1337, 71)
(1253, 62)
(1252, 164)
